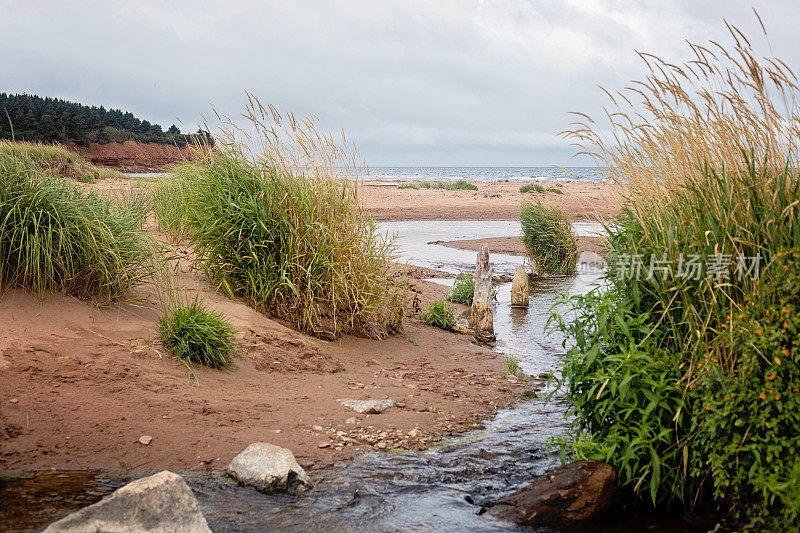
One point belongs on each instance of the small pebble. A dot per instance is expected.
(144, 440)
(13, 400)
(324, 444)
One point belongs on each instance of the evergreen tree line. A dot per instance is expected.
(48, 120)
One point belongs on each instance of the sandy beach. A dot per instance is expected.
(82, 383)
(492, 201)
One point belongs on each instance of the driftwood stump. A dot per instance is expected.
(481, 317)
(520, 294)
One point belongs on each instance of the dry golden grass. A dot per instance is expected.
(705, 156)
(57, 161)
(722, 108)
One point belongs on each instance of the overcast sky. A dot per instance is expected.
(434, 82)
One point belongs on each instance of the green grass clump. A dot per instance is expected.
(532, 187)
(463, 289)
(408, 186)
(54, 236)
(459, 185)
(549, 239)
(193, 334)
(292, 245)
(535, 187)
(439, 314)
(684, 371)
(56, 161)
(512, 365)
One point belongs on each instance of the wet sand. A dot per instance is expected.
(513, 245)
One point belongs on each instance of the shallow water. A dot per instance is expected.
(414, 237)
(445, 488)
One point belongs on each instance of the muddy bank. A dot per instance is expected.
(492, 201)
(132, 156)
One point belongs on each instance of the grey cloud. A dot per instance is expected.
(412, 82)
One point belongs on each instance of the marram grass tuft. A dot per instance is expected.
(54, 236)
(276, 220)
(194, 334)
(549, 239)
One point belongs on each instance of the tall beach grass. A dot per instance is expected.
(274, 218)
(688, 384)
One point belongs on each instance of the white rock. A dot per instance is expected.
(160, 503)
(268, 467)
(367, 406)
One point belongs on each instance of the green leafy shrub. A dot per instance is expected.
(659, 365)
(747, 417)
(463, 289)
(623, 389)
(549, 239)
(193, 334)
(439, 314)
(53, 236)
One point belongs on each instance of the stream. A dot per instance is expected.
(444, 488)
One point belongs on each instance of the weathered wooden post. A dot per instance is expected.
(520, 293)
(481, 317)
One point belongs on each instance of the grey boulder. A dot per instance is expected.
(367, 406)
(268, 467)
(159, 503)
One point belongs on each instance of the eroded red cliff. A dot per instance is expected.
(132, 156)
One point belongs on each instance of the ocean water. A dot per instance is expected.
(477, 174)
(487, 174)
